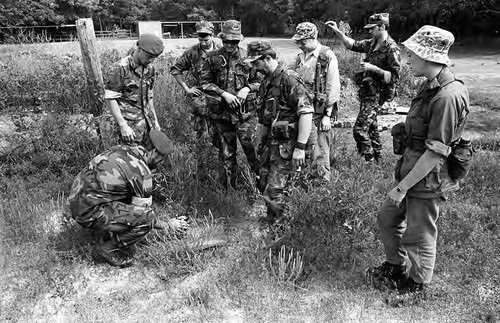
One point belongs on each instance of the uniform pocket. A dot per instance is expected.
(286, 150)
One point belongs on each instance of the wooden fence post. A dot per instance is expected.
(91, 63)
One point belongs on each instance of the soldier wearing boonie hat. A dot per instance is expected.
(130, 112)
(191, 61)
(318, 67)
(435, 123)
(112, 195)
(377, 80)
(231, 88)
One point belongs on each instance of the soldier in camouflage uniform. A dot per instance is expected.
(192, 61)
(112, 196)
(231, 88)
(286, 117)
(129, 96)
(318, 67)
(377, 81)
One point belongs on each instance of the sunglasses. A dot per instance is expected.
(231, 42)
(301, 41)
(203, 36)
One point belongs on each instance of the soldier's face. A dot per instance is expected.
(260, 65)
(416, 64)
(205, 40)
(145, 58)
(306, 45)
(375, 31)
(153, 159)
(231, 46)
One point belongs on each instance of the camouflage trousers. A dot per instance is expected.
(320, 166)
(366, 133)
(124, 223)
(110, 134)
(246, 133)
(280, 179)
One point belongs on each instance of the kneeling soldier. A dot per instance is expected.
(112, 195)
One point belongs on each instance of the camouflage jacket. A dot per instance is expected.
(192, 60)
(387, 57)
(284, 98)
(132, 87)
(117, 174)
(222, 72)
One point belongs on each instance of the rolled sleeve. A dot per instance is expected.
(182, 64)
(361, 46)
(332, 81)
(442, 124)
(394, 63)
(114, 84)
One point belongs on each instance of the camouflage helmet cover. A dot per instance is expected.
(305, 30)
(431, 44)
(256, 49)
(378, 19)
(231, 30)
(204, 27)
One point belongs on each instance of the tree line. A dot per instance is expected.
(261, 17)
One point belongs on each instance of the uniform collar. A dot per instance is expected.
(444, 77)
(136, 67)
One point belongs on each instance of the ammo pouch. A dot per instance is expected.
(284, 131)
(268, 111)
(213, 103)
(460, 159)
(398, 138)
(199, 106)
(387, 93)
(319, 103)
(250, 102)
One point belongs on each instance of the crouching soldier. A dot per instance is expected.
(112, 196)
(286, 118)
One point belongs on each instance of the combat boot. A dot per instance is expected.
(387, 276)
(107, 252)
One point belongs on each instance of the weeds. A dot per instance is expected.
(288, 266)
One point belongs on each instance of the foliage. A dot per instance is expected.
(260, 17)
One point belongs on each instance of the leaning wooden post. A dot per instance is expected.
(91, 63)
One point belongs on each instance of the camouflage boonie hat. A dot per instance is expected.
(204, 27)
(151, 44)
(256, 49)
(431, 44)
(231, 30)
(161, 142)
(305, 30)
(377, 20)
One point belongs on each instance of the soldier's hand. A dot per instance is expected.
(299, 157)
(396, 197)
(128, 133)
(326, 124)
(333, 25)
(369, 67)
(194, 91)
(231, 100)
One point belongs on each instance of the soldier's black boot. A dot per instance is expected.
(387, 276)
(108, 253)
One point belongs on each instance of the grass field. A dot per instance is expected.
(47, 275)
